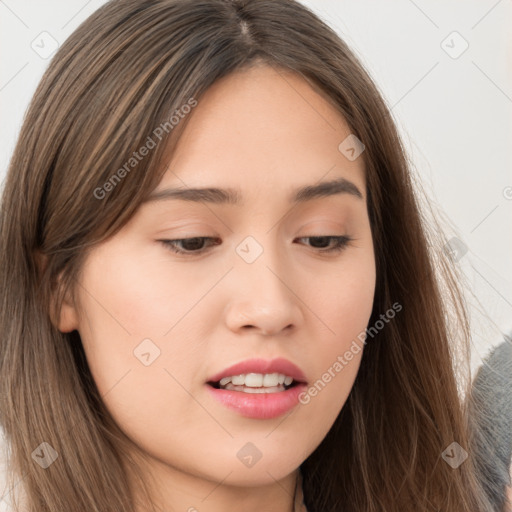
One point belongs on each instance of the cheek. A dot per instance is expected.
(342, 297)
(139, 374)
(139, 294)
(137, 310)
(343, 302)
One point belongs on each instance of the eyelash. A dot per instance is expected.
(341, 242)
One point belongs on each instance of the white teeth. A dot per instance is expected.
(273, 389)
(269, 380)
(254, 380)
(238, 380)
(257, 380)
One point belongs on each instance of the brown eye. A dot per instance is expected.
(320, 242)
(193, 245)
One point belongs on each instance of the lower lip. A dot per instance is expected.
(259, 405)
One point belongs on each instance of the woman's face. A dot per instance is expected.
(156, 326)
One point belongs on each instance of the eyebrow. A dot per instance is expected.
(233, 196)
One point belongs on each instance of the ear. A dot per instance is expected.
(66, 319)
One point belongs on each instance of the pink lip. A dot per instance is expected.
(279, 365)
(259, 405)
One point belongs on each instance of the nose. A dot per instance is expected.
(263, 299)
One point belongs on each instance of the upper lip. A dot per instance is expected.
(279, 365)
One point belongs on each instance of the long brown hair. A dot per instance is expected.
(122, 74)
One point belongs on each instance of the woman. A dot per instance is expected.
(218, 288)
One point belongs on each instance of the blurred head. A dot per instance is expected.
(319, 255)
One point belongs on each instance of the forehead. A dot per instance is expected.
(262, 129)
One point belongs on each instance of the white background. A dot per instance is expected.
(455, 114)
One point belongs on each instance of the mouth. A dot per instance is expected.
(258, 388)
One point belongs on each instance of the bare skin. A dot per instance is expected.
(266, 134)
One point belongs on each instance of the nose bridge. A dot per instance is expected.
(262, 295)
(262, 260)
